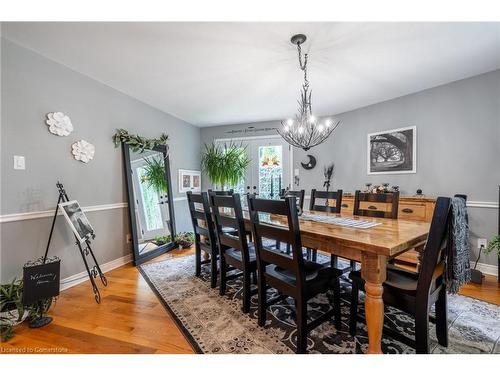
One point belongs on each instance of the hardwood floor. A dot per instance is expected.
(488, 291)
(130, 319)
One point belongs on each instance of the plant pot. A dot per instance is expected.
(13, 316)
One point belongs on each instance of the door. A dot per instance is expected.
(269, 170)
(151, 206)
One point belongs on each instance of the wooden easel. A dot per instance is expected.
(85, 252)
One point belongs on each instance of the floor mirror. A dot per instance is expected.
(150, 202)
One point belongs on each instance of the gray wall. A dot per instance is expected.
(32, 86)
(458, 145)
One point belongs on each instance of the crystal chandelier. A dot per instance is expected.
(305, 131)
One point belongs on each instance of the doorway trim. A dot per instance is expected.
(257, 137)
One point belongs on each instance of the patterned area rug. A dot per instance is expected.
(216, 324)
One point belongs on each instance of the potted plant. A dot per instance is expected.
(12, 310)
(185, 239)
(154, 174)
(225, 164)
(162, 240)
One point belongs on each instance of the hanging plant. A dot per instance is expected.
(137, 142)
(225, 165)
(154, 174)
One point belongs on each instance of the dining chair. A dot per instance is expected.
(383, 205)
(321, 201)
(235, 250)
(299, 195)
(203, 226)
(291, 275)
(415, 293)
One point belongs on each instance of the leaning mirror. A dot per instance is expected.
(150, 202)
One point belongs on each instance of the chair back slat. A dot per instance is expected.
(229, 240)
(221, 192)
(269, 206)
(198, 214)
(325, 196)
(203, 214)
(274, 232)
(373, 210)
(201, 231)
(438, 240)
(229, 223)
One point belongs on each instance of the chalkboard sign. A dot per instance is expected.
(41, 281)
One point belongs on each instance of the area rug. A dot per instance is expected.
(216, 324)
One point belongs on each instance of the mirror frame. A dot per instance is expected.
(139, 259)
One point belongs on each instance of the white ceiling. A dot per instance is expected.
(223, 73)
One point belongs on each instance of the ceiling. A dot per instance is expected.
(225, 73)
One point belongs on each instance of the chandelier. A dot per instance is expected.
(305, 131)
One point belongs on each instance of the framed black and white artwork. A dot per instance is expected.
(392, 151)
(189, 181)
(77, 220)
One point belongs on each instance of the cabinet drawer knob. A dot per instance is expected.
(372, 207)
(407, 210)
(344, 205)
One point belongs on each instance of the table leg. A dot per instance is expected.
(373, 269)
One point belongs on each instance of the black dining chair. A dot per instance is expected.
(291, 275)
(235, 250)
(321, 201)
(384, 205)
(415, 293)
(298, 194)
(204, 234)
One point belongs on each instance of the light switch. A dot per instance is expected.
(19, 162)
(296, 172)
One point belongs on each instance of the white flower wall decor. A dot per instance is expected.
(59, 124)
(83, 151)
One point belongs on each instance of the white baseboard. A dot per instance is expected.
(488, 269)
(81, 277)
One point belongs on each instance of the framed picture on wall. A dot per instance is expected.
(392, 151)
(189, 181)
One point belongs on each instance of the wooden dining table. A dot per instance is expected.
(372, 247)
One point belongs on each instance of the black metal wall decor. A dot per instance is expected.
(83, 247)
(310, 164)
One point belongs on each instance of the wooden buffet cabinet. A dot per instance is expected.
(410, 208)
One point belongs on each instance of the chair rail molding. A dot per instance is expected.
(49, 213)
(113, 206)
(478, 204)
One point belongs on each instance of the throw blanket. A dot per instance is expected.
(458, 263)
